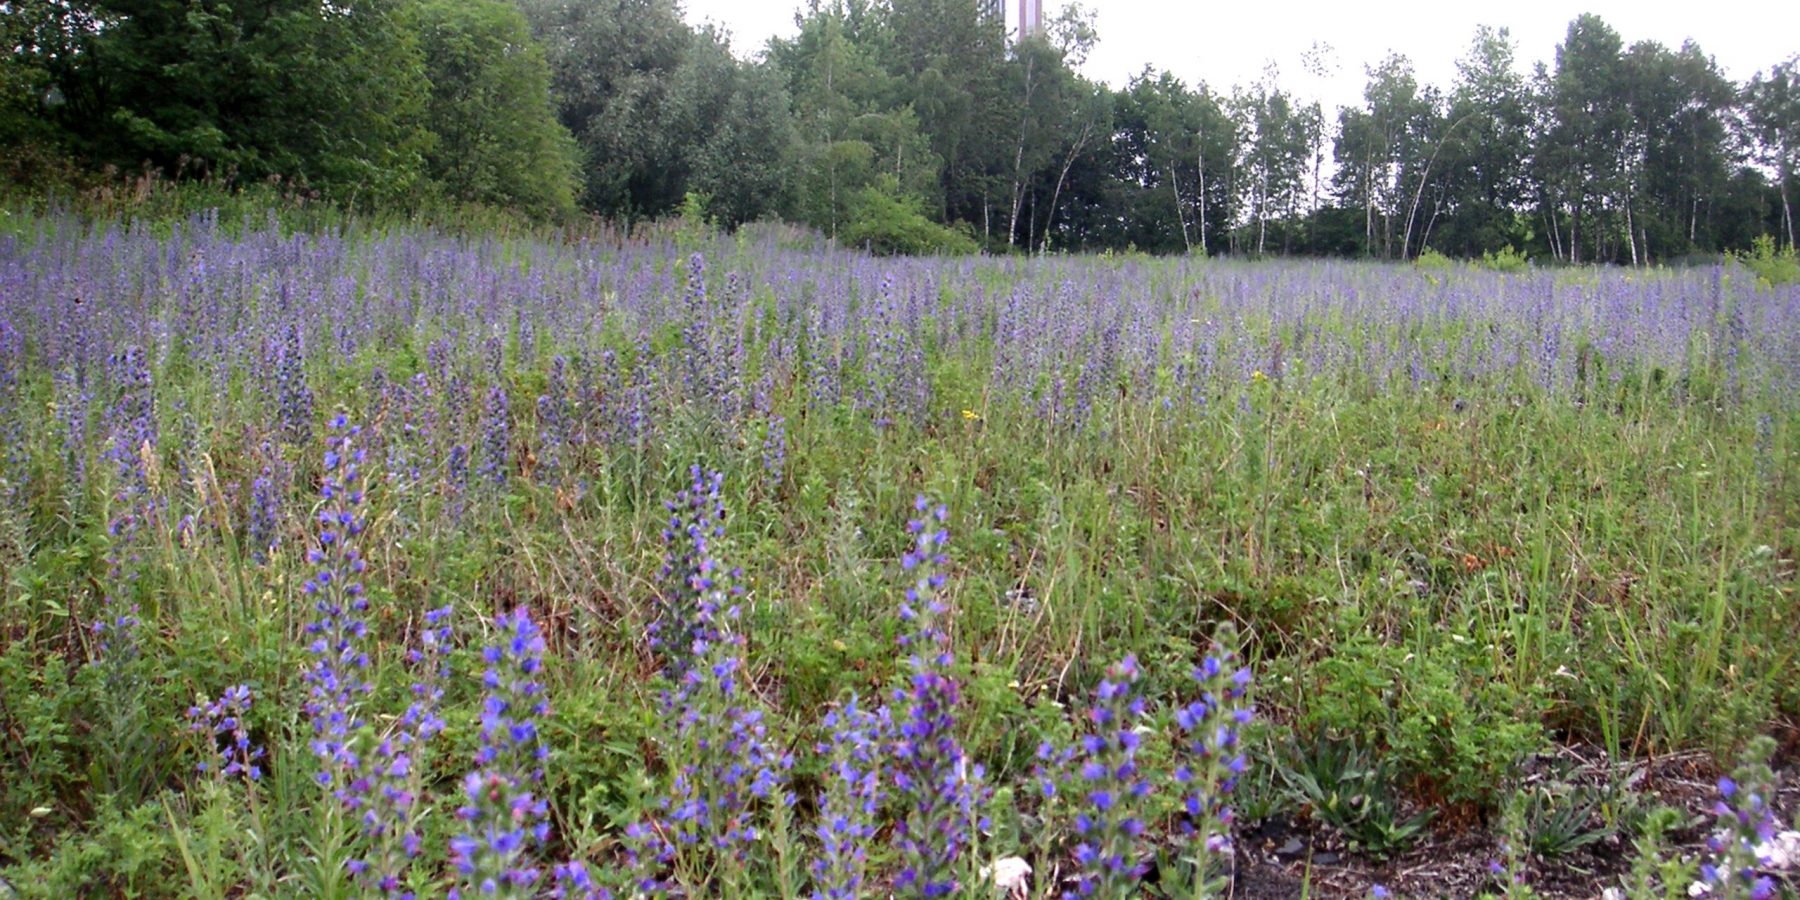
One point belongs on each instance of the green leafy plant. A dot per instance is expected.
(886, 222)
(1772, 265)
(1560, 819)
(1655, 873)
(1344, 786)
(1506, 259)
(1433, 261)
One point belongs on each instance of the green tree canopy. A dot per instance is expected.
(497, 136)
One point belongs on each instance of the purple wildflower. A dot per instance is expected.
(690, 570)
(72, 399)
(496, 436)
(848, 802)
(774, 454)
(390, 787)
(293, 398)
(15, 469)
(574, 883)
(131, 444)
(1213, 757)
(504, 814)
(262, 532)
(335, 681)
(726, 764)
(1747, 826)
(556, 423)
(231, 755)
(936, 783)
(1109, 788)
(456, 479)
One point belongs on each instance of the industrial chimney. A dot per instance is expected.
(1031, 18)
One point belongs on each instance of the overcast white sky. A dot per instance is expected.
(1229, 43)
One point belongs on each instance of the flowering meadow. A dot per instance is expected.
(389, 562)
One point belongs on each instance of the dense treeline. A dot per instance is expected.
(906, 125)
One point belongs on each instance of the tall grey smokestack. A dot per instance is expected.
(1031, 18)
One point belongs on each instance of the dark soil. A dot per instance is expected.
(1290, 859)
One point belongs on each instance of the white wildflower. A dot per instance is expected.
(1781, 852)
(1008, 874)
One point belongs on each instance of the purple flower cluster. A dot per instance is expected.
(1213, 758)
(1747, 827)
(726, 764)
(263, 528)
(335, 680)
(230, 752)
(131, 418)
(774, 454)
(456, 479)
(690, 571)
(72, 399)
(849, 801)
(935, 782)
(131, 443)
(389, 788)
(574, 882)
(555, 424)
(15, 468)
(1111, 788)
(710, 373)
(293, 397)
(496, 436)
(504, 814)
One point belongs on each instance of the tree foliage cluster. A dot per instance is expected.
(366, 101)
(913, 125)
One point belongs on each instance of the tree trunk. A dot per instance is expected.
(1631, 233)
(1018, 193)
(1368, 192)
(1787, 213)
(1437, 207)
(1187, 245)
(1575, 234)
(1012, 228)
(1549, 232)
(1262, 215)
(1200, 166)
(1231, 233)
(1056, 193)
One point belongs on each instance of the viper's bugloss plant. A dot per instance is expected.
(130, 424)
(392, 783)
(293, 397)
(774, 454)
(723, 763)
(690, 571)
(504, 815)
(1746, 823)
(229, 751)
(574, 882)
(262, 529)
(1110, 788)
(1211, 753)
(336, 683)
(496, 436)
(936, 785)
(849, 800)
